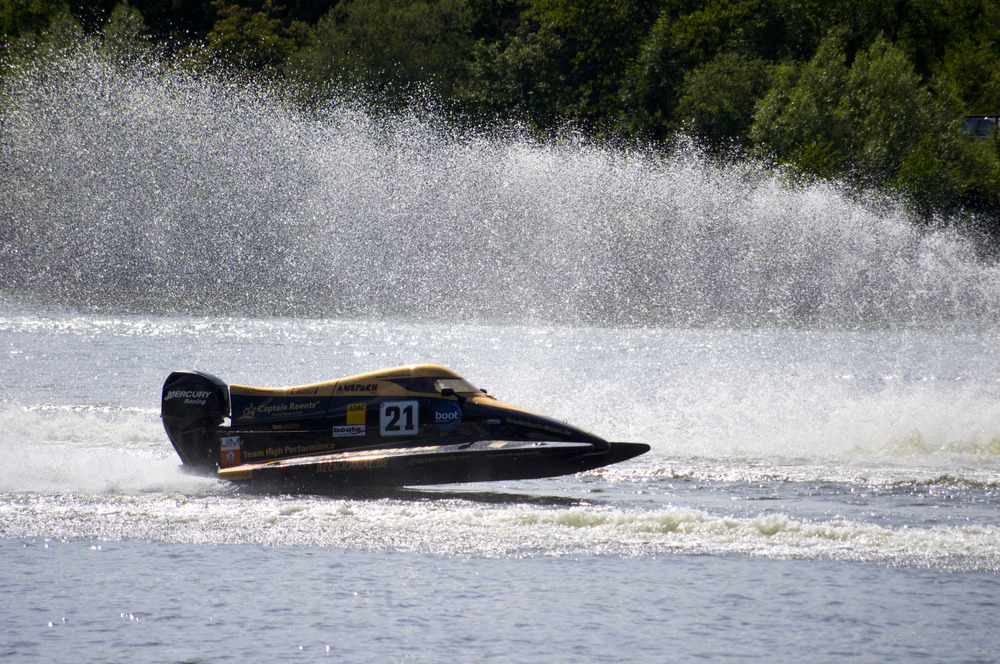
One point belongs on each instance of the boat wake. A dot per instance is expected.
(129, 186)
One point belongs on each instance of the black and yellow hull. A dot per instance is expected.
(408, 426)
(480, 461)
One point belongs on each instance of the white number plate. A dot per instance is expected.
(399, 418)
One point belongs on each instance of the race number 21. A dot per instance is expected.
(399, 418)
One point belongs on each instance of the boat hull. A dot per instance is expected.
(480, 461)
(405, 426)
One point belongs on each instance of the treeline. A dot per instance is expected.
(864, 92)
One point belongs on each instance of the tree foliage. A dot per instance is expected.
(718, 98)
(245, 39)
(387, 43)
(836, 88)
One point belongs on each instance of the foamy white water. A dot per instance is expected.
(141, 187)
(728, 413)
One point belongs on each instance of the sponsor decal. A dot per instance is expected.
(368, 459)
(276, 453)
(268, 408)
(349, 431)
(358, 387)
(229, 448)
(435, 458)
(250, 455)
(538, 425)
(294, 450)
(356, 413)
(187, 394)
(348, 465)
(191, 397)
(230, 443)
(447, 416)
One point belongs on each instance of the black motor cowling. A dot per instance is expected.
(193, 406)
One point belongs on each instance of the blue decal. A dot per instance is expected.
(447, 416)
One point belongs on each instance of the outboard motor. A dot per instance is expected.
(194, 404)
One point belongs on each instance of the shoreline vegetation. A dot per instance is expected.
(869, 95)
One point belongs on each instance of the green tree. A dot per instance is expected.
(918, 28)
(652, 82)
(125, 37)
(244, 39)
(768, 29)
(876, 120)
(718, 98)
(178, 24)
(388, 45)
(886, 111)
(522, 78)
(60, 31)
(29, 17)
(976, 83)
(797, 119)
(677, 59)
(600, 40)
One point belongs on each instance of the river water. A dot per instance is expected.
(814, 492)
(818, 377)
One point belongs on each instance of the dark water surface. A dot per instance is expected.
(141, 601)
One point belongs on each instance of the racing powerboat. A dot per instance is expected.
(406, 426)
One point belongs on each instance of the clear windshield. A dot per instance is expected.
(460, 385)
